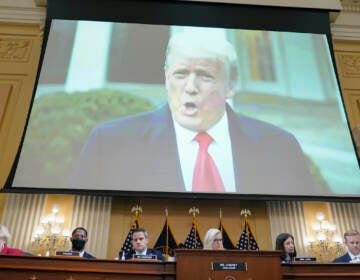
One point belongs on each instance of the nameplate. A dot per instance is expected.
(216, 266)
(145, 257)
(67, 253)
(305, 259)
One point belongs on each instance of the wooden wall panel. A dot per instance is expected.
(20, 46)
(153, 218)
(347, 56)
(352, 104)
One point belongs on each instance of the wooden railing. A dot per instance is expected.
(69, 268)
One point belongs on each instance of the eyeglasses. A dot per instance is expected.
(217, 240)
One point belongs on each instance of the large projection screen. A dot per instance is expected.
(112, 113)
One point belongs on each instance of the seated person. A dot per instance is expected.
(78, 239)
(285, 244)
(352, 242)
(139, 243)
(213, 240)
(4, 238)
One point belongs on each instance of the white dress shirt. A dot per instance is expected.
(354, 259)
(143, 253)
(220, 150)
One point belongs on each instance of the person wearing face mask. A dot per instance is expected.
(4, 238)
(285, 244)
(78, 239)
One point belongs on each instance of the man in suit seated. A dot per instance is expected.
(352, 242)
(139, 243)
(79, 238)
(196, 142)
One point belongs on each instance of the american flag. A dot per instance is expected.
(193, 240)
(247, 240)
(127, 246)
(166, 242)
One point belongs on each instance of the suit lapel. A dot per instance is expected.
(348, 258)
(163, 142)
(244, 147)
(236, 139)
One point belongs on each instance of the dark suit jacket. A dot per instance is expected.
(88, 256)
(140, 153)
(149, 252)
(343, 259)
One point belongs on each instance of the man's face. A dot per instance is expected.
(79, 233)
(139, 241)
(353, 244)
(197, 90)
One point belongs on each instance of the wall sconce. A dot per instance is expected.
(325, 245)
(49, 236)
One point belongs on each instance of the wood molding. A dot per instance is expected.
(352, 6)
(347, 24)
(27, 14)
(352, 103)
(14, 49)
(5, 90)
(350, 64)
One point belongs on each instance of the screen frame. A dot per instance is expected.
(225, 15)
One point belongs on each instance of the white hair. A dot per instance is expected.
(198, 46)
(209, 238)
(4, 233)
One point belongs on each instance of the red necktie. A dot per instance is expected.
(206, 175)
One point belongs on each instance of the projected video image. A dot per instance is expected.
(138, 107)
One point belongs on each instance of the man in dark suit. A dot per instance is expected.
(196, 142)
(79, 238)
(139, 243)
(352, 242)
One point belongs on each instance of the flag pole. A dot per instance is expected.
(167, 235)
(220, 216)
(194, 211)
(246, 213)
(136, 211)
